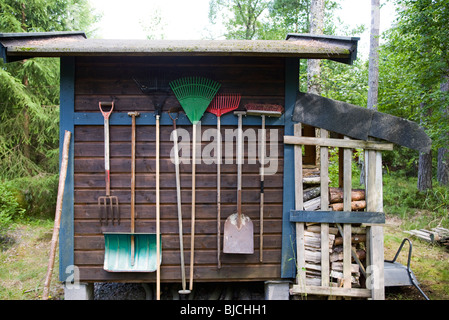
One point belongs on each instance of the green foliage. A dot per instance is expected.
(419, 209)
(45, 15)
(39, 193)
(334, 167)
(241, 17)
(29, 117)
(29, 101)
(10, 206)
(345, 83)
(414, 63)
(267, 20)
(290, 15)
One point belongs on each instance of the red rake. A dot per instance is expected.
(221, 104)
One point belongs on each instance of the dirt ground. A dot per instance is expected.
(202, 291)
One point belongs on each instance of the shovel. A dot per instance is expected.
(131, 252)
(238, 234)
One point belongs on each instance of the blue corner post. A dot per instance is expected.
(66, 122)
(288, 264)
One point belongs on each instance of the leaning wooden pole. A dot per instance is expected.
(54, 238)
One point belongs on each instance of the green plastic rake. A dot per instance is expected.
(194, 94)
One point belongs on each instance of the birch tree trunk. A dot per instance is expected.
(314, 65)
(373, 72)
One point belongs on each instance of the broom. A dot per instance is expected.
(221, 104)
(194, 94)
(270, 110)
(157, 83)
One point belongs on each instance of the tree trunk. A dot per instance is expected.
(425, 163)
(314, 65)
(373, 72)
(425, 171)
(443, 166)
(443, 153)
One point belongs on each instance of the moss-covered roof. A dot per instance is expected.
(20, 46)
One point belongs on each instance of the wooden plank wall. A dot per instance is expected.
(104, 79)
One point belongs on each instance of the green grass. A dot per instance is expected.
(408, 209)
(418, 209)
(24, 262)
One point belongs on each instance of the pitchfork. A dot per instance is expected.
(109, 204)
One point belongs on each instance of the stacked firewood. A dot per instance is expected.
(312, 236)
(437, 235)
(357, 199)
(312, 194)
(312, 241)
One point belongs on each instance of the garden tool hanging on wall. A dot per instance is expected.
(157, 84)
(263, 110)
(194, 94)
(238, 232)
(175, 111)
(108, 204)
(131, 252)
(221, 104)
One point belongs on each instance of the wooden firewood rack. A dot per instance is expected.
(373, 218)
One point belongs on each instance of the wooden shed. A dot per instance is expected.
(97, 71)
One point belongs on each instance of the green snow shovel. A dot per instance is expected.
(131, 251)
(194, 94)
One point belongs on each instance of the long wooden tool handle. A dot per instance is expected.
(133, 172)
(133, 183)
(106, 115)
(158, 216)
(178, 196)
(262, 173)
(192, 235)
(57, 224)
(218, 192)
(239, 170)
(106, 156)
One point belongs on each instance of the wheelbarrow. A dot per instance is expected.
(396, 274)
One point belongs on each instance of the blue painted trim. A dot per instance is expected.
(337, 216)
(288, 265)
(148, 118)
(66, 122)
